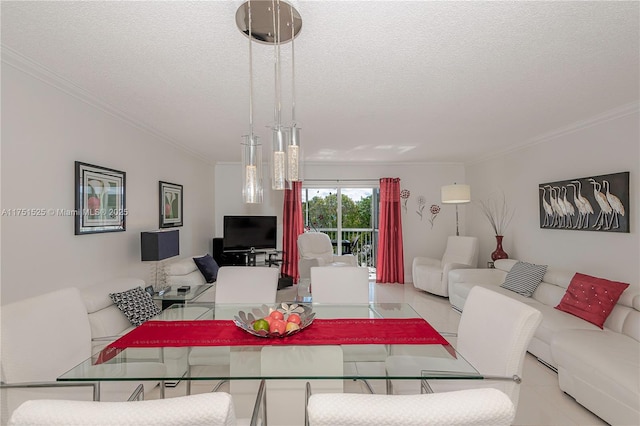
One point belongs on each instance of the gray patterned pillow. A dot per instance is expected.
(524, 278)
(136, 304)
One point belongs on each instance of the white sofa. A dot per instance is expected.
(600, 368)
(106, 320)
(184, 271)
(46, 335)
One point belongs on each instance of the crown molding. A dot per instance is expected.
(28, 66)
(383, 163)
(612, 114)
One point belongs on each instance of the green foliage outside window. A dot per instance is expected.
(322, 212)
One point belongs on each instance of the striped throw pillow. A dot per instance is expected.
(524, 278)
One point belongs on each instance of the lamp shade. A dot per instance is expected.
(456, 194)
(159, 245)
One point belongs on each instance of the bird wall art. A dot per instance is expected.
(596, 203)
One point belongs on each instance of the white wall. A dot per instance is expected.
(420, 179)
(228, 197)
(604, 146)
(44, 130)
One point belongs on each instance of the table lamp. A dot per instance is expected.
(156, 246)
(456, 194)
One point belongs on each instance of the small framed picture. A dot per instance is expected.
(170, 205)
(99, 199)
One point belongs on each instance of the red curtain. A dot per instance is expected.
(390, 262)
(293, 226)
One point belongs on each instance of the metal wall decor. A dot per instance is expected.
(596, 203)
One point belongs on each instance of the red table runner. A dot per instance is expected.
(348, 331)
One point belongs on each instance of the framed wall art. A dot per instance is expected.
(170, 205)
(596, 203)
(99, 199)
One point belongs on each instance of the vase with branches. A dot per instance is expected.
(499, 215)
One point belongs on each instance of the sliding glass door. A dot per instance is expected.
(349, 215)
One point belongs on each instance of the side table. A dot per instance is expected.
(171, 296)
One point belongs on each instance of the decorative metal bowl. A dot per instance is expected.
(245, 320)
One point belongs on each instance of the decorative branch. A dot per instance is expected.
(497, 212)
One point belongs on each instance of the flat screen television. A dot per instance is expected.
(245, 232)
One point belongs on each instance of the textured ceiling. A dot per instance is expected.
(383, 81)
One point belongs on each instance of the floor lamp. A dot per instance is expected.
(456, 194)
(156, 246)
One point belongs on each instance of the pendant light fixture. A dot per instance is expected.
(294, 152)
(252, 192)
(278, 144)
(273, 22)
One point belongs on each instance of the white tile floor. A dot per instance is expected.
(541, 400)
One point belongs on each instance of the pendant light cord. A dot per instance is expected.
(250, 78)
(277, 114)
(293, 72)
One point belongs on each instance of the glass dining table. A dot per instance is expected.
(436, 361)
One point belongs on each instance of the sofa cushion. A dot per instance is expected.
(136, 304)
(96, 296)
(523, 278)
(591, 298)
(606, 359)
(554, 321)
(180, 267)
(208, 267)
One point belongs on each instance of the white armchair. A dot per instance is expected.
(432, 275)
(315, 249)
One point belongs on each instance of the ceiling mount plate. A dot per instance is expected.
(262, 22)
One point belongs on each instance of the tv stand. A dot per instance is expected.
(257, 257)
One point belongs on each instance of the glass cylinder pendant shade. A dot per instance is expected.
(279, 160)
(252, 170)
(294, 156)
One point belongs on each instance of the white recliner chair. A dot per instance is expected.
(432, 275)
(315, 249)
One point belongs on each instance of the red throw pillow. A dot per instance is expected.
(591, 298)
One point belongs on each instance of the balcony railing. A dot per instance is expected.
(362, 243)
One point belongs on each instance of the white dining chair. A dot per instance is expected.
(246, 284)
(340, 284)
(286, 398)
(237, 285)
(493, 335)
(474, 407)
(212, 409)
(348, 285)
